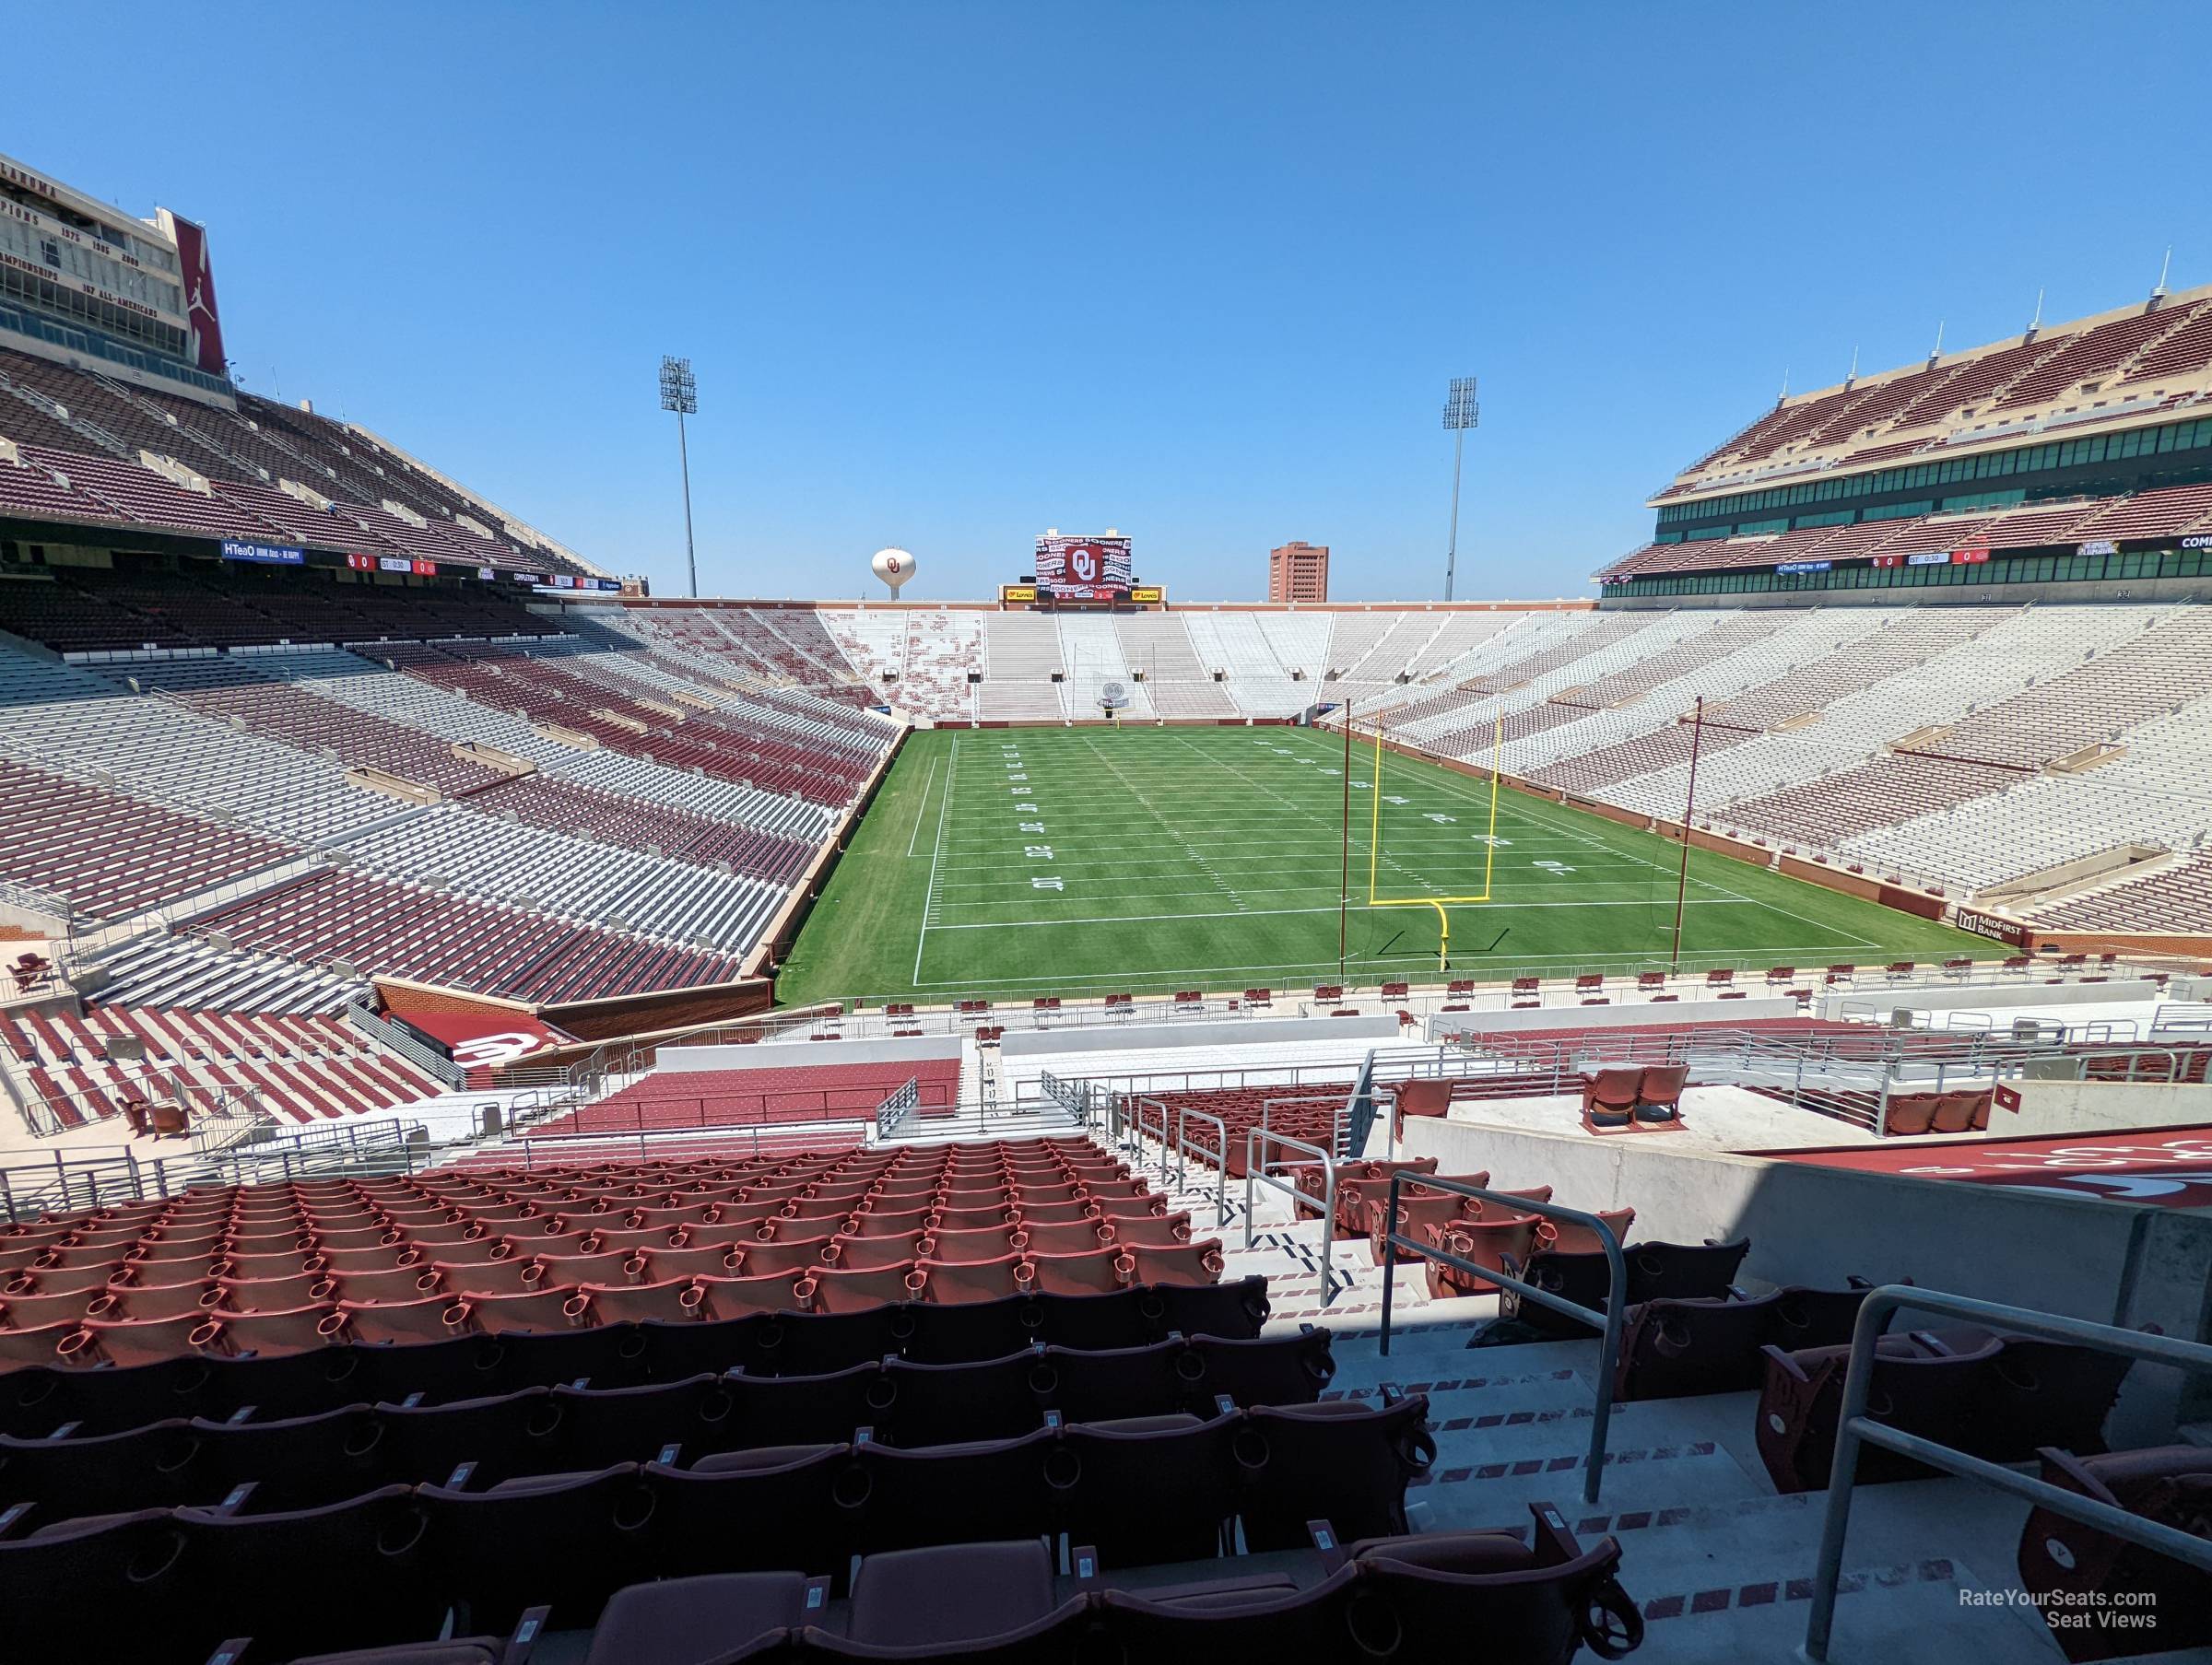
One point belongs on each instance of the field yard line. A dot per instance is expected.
(929, 896)
(1410, 878)
(1189, 849)
(1254, 913)
(921, 808)
(1100, 978)
(1449, 786)
(1597, 843)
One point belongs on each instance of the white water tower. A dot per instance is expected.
(894, 567)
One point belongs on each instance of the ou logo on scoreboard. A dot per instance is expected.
(1084, 561)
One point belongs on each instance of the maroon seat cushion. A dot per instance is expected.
(757, 1458)
(1467, 1553)
(689, 1621)
(951, 1593)
(458, 1650)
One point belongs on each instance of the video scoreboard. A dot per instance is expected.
(1079, 570)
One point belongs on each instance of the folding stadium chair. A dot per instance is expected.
(832, 1290)
(2076, 1568)
(1342, 1460)
(1486, 1242)
(980, 1598)
(1570, 1238)
(1175, 1263)
(971, 1493)
(1165, 1494)
(709, 1614)
(946, 1404)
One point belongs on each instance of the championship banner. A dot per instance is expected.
(1082, 567)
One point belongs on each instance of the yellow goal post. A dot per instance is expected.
(1489, 859)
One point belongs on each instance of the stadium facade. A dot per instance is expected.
(2075, 459)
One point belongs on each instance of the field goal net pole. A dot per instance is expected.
(1489, 854)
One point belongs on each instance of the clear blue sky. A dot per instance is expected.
(951, 273)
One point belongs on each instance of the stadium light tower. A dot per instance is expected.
(1461, 412)
(680, 392)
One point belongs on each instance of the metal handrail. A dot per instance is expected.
(1853, 1426)
(898, 1107)
(1254, 1138)
(562, 1147)
(1609, 1320)
(365, 1019)
(1183, 1150)
(30, 1189)
(1336, 1121)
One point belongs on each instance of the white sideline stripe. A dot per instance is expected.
(1254, 913)
(1698, 891)
(921, 808)
(929, 896)
(1288, 994)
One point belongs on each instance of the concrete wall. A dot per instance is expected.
(1989, 998)
(2106, 1261)
(799, 1055)
(1376, 1030)
(2052, 1108)
(1444, 1024)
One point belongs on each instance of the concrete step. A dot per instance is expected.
(1927, 1549)
(1438, 1351)
(1468, 1489)
(1900, 1613)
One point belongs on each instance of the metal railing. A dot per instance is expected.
(896, 1107)
(1339, 1076)
(1846, 1074)
(391, 1036)
(1175, 1153)
(68, 1183)
(614, 1063)
(47, 904)
(1607, 1321)
(1853, 1426)
(235, 1105)
(562, 1149)
(1254, 1175)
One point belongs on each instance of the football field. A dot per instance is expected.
(1002, 862)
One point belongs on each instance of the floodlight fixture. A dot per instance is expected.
(1461, 412)
(679, 394)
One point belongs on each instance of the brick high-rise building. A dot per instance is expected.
(1298, 572)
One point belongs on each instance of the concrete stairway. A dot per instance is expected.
(1720, 1564)
(1703, 1533)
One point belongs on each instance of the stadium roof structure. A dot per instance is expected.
(2109, 370)
(2084, 437)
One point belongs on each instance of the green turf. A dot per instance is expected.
(998, 862)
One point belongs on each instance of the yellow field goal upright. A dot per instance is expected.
(1489, 857)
